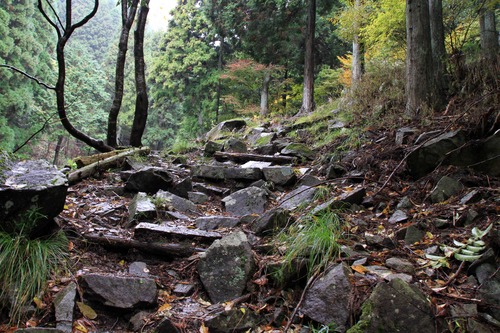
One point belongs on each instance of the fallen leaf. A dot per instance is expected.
(261, 281)
(360, 269)
(165, 307)
(228, 306)
(86, 310)
(39, 303)
(203, 328)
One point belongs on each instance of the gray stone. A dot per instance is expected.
(141, 207)
(234, 320)
(273, 220)
(346, 199)
(144, 230)
(256, 164)
(31, 185)
(401, 134)
(378, 240)
(197, 197)
(211, 190)
(138, 320)
(251, 200)
(299, 150)
(471, 197)
(211, 148)
(398, 217)
(489, 293)
(139, 269)
(220, 173)
(279, 175)
(463, 310)
(404, 203)
(445, 188)
(233, 145)
(174, 202)
(396, 306)
(328, 299)
(269, 149)
(120, 292)
(302, 195)
(426, 158)
(405, 277)
(219, 131)
(183, 289)
(308, 180)
(413, 234)
(226, 267)
(166, 326)
(400, 265)
(149, 180)
(64, 304)
(214, 222)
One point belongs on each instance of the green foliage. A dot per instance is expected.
(314, 238)
(27, 263)
(182, 146)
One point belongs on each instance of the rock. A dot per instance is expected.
(273, 220)
(401, 134)
(149, 180)
(256, 164)
(404, 203)
(197, 197)
(220, 173)
(378, 240)
(445, 188)
(308, 180)
(413, 234)
(346, 199)
(471, 197)
(241, 319)
(139, 269)
(251, 200)
(233, 145)
(405, 277)
(31, 185)
(174, 202)
(328, 299)
(141, 207)
(299, 150)
(138, 320)
(211, 190)
(182, 187)
(166, 326)
(147, 230)
(124, 293)
(269, 149)
(226, 126)
(214, 222)
(211, 148)
(279, 175)
(64, 303)
(398, 217)
(489, 293)
(426, 158)
(183, 289)
(226, 267)
(400, 265)
(396, 306)
(302, 195)
(39, 330)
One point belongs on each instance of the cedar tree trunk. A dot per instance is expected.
(308, 95)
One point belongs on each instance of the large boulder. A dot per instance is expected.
(222, 129)
(29, 185)
(250, 200)
(226, 267)
(149, 180)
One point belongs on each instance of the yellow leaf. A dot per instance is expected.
(228, 306)
(164, 307)
(121, 262)
(80, 328)
(429, 235)
(243, 310)
(359, 268)
(86, 310)
(203, 328)
(38, 302)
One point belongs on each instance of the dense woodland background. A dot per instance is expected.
(219, 59)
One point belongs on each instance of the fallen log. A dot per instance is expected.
(103, 164)
(162, 249)
(244, 157)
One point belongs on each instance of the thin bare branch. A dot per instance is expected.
(85, 19)
(28, 76)
(48, 19)
(56, 15)
(33, 135)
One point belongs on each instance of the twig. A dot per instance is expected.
(32, 136)
(15, 69)
(454, 275)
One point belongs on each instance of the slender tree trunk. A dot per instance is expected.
(59, 145)
(141, 102)
(128, 16)
(358, 61)
(419, 76)
(264, 94)
(489, 36)
(219, 81)
(308, 95)
(438, 51)
(63, 35)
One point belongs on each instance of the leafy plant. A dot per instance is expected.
(27, 263)
(313, 237)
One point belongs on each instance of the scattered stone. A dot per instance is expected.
(489, 293)
(211, 148)
(182, 187)
(378, 241)
(234, 320)
(463, 310)
(412, 234)
(269, 149)
(299, 150)
(396, 306)
(211, 190)
(149, 180)
(303, 195)
(401, 134)
(328, 299)
(138, 320)
(273, 220)
(233, 145)
(141, 208)
(220, 173)
(31, 185)
(405, 277)
(214, 222)
(144, 230)
(124, 293)
(404, 203)
(251, 200)
(279, 175)
(378, 271)
(308, 180)
(166, 326)
(471, 197)
(183, 289)
(427, 135)
(197, 197)
(226, 267)
(139, 269)
(444, 189)
(426, 158)
(400, 265)
(256, 164)
(346, 199)
(64, 304)
(398, 217)
(174, 202)
(218, 132)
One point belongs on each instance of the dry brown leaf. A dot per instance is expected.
(359, 268)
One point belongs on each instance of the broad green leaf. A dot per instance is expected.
(464, 257)
(86, 310)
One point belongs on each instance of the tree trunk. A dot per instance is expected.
(141, 101)
(308, 94)
(63, 35)
(264, 94)
(489, 36)
(60, 141)
(128, 16)
(438, 50)
(358, 61)
(219, 81)
(419, 77)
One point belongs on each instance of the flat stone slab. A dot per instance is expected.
(250, 200)
(302, 195)
(174, 202)
(220, 173)
(214, 222)
(143, 229)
